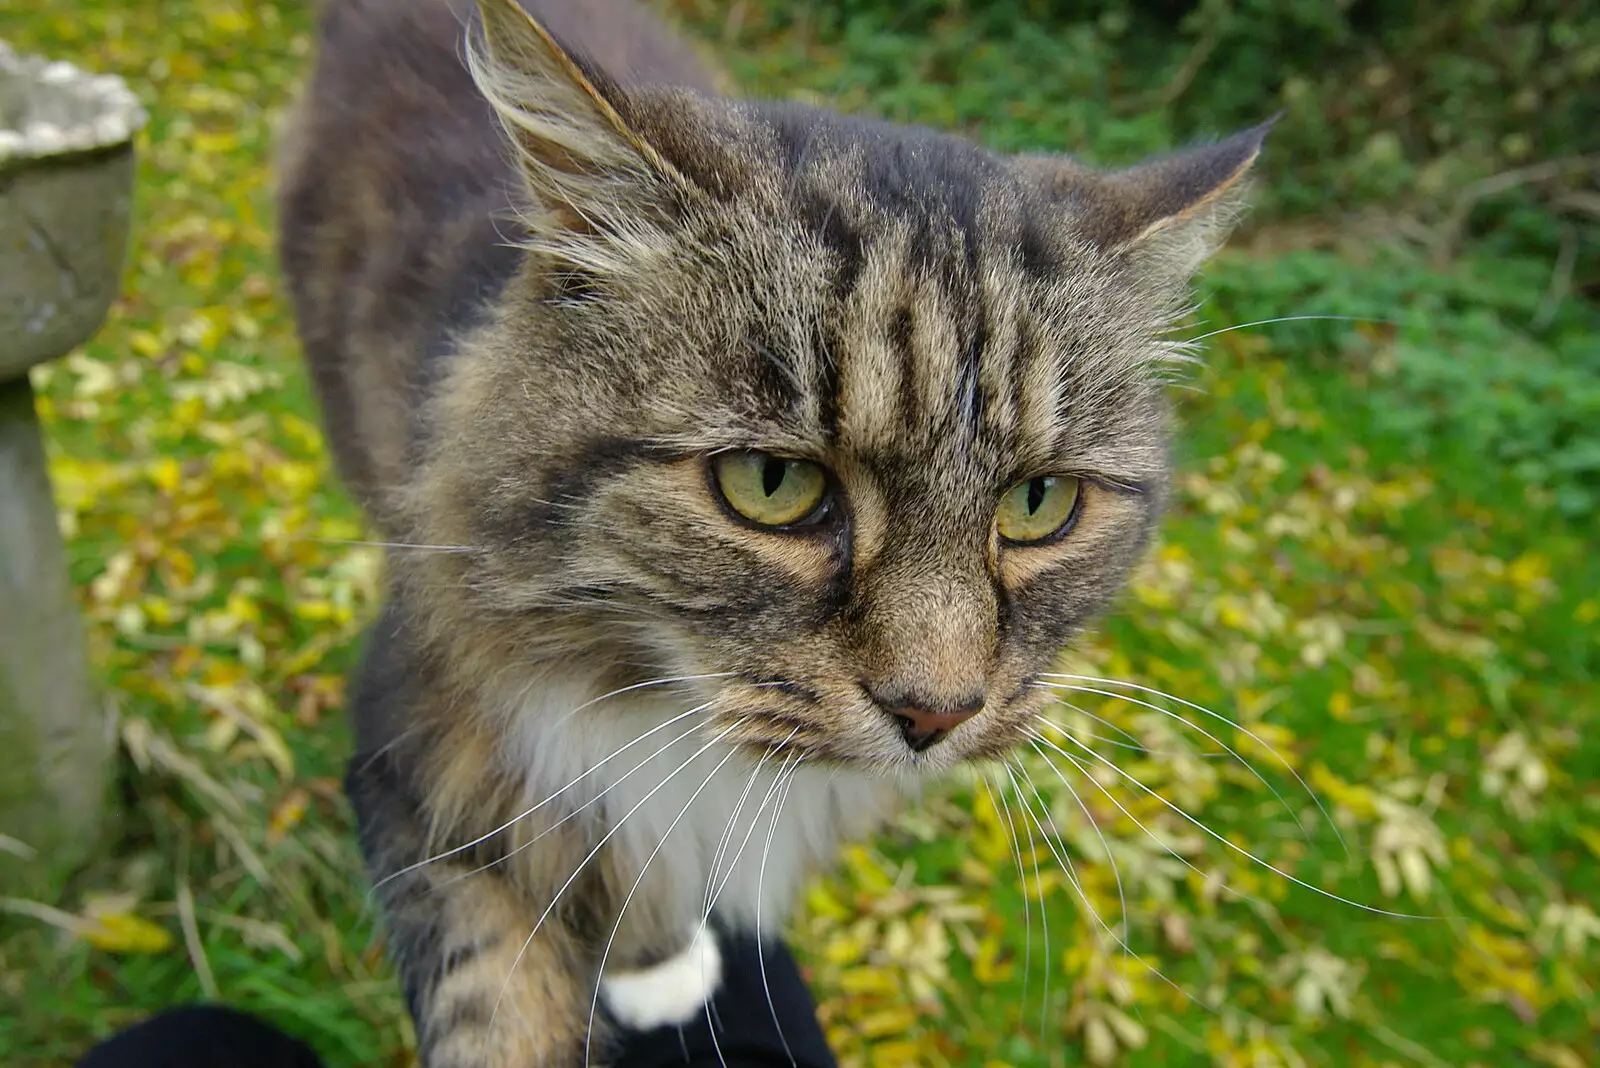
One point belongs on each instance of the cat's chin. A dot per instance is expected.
(902, 769)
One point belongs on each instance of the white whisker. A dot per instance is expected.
(1231, 751)
(642, 686)
(998, 799)
(1083, 770)
(1072, 879)
(1065, 862)
(1133, 743)
(761, 875)
(1292, 319)
(627, 900)
(727, 832)
(1037, 739)
(536, 807)
(1238, 848)
(1094, 825)
(1044, 913)
(712, 898)
(390, 545)
(594, 853)
(772, 790)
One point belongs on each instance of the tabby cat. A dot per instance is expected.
(744, 465)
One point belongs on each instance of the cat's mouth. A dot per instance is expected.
(859, 735)
(867, 728)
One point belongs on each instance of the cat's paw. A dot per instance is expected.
(671, 992)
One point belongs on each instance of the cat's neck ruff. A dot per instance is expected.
(682, 806)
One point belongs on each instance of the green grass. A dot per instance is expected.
(1367, 566)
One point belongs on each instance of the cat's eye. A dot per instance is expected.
(1038, 509)
(774, 491)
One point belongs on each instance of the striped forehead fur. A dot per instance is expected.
(929, 320)
(957, 298)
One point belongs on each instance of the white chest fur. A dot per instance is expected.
(691, 818)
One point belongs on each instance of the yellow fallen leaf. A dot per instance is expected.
(123, 932)
(886, 1022)
(287, 815)
(821, 901)
(845, 949)
(1590, 837)
(1556, 1056)
(1099, 1045)
(898, 1055)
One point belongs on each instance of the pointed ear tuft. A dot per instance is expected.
(1177, 209)
(582, 160)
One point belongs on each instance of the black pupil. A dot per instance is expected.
(1037, 488)
(772, 475)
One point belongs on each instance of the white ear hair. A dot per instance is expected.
(581, 159)
(1171, 213)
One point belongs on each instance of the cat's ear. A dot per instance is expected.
(583, 162)
(1173, 211)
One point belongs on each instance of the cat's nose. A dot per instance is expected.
(924, 722)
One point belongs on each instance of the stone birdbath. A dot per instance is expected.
(66, 180)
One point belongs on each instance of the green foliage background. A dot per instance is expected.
(1380, 563)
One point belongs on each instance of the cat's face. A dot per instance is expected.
(860, 424)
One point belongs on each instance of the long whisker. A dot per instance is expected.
(1231, 751)
(733, 819)
(998, 799)
(1094, 825)
(727, 874)
(1044, 913)
(1293, 319)
(627, 900)
(1132, 747)
(1072, 879)
(1238, 848)
(575, 813)
(1036, 739)
(390, 545)
(711, 876)
(1133, 743)
(536, 807)
(711, 902)
(1064, 861)
(761, 875)
(592, 854)
(1053, 688)
(642, 686)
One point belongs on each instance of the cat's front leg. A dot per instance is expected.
(485, 989)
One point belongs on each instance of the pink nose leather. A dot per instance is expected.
(922, 728)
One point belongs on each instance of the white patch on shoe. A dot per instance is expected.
(671, 992)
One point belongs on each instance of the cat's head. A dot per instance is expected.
(860, 423)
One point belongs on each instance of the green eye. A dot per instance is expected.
(1037, 509)
(771, 490)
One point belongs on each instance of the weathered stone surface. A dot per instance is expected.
(66, 175)
(63, 226)
(54, 741)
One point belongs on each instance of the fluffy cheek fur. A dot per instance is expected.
(589, 522)
(794, 644)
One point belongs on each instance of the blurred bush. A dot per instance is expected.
(1403, 105)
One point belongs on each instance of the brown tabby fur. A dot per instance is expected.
(526, 348)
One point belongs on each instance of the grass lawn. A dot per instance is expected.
(1397, 610)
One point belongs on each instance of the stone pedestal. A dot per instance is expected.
(54, 741)
(66, 174)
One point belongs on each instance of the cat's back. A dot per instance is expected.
(394, 185)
